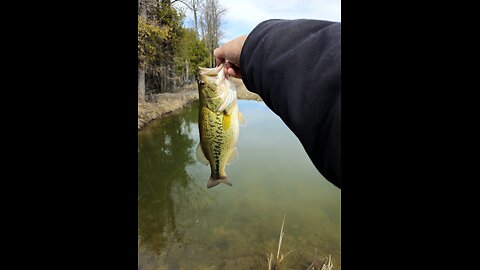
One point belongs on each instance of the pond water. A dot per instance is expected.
(184, 225)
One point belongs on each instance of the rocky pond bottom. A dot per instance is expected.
(184, 225)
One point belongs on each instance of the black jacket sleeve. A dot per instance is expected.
(295, 67)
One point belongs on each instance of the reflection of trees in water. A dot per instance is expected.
(172, 197)
(164, 186)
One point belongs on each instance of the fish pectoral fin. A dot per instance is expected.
(201, 156)
(241, 120)
(233, 156)
(213, 182)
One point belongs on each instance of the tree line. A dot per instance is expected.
(168, 53)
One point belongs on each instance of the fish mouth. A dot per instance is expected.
(211, 71)
(211, 74)
(224, 89)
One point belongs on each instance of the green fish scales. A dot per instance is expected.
(219, 121)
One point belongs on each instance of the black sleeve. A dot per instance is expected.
(295, 67)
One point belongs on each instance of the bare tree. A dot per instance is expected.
(195, 6)
(210, 24)
(147, 9)
(142, 11)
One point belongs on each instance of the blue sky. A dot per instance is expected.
(243, 15)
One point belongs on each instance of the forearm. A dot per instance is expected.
(295, 67)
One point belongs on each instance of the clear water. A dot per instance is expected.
(184, 225)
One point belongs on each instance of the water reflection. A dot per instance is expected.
(184, 225)
(164, 155)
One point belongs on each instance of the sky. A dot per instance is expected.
(243, 15)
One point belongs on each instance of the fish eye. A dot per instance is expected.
(202, 82)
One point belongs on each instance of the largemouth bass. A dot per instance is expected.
(219, 121)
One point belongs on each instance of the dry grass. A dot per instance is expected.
(274, 262)
(325, 264)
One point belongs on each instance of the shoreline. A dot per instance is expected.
(166, 103)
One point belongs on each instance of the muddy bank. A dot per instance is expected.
(242, 92)
(165, 103)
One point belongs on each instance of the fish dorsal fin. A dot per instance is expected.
(233, 156)
(241, 120)
(201, 156)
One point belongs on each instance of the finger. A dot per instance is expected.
(234, 72)
(219, 58)
(218, 61)
(225, 70)
(229, 64)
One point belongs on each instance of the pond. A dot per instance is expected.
(184, 225)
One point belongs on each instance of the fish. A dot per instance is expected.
(219, 121)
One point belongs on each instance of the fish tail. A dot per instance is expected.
(213, 181)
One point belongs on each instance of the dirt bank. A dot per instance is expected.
(165, 103)
(242, 92)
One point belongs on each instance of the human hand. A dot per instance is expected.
(229, 54)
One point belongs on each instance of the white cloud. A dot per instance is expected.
(243, 15)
